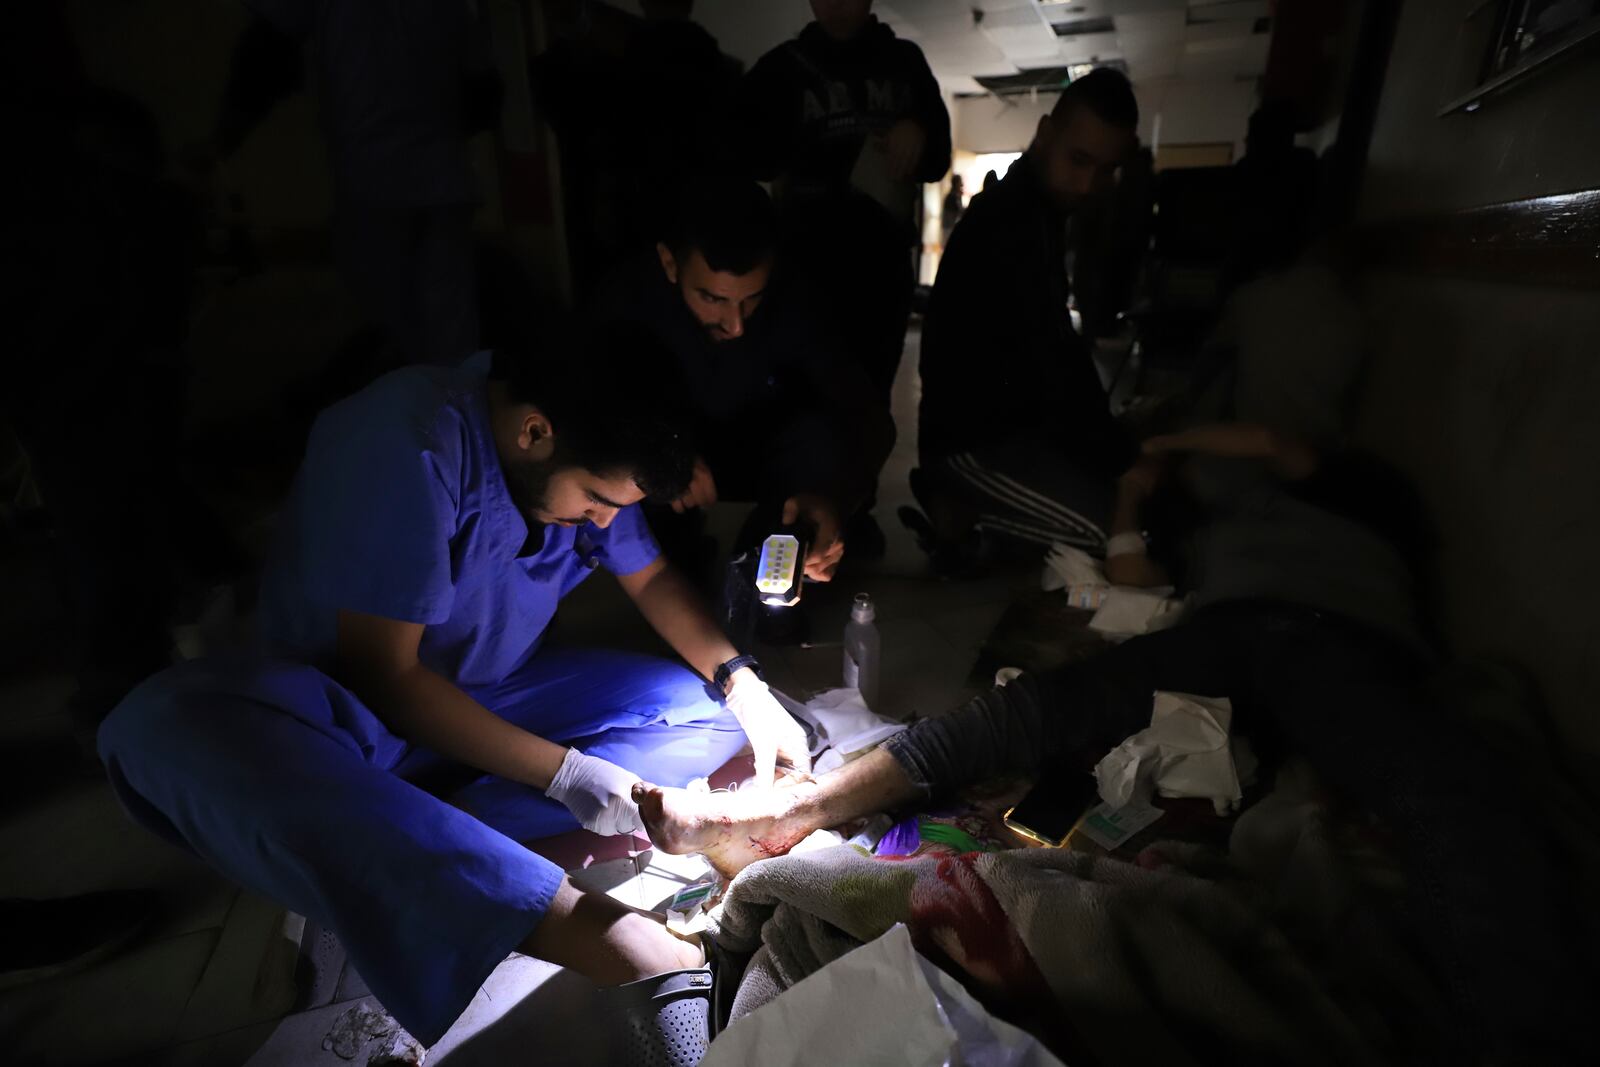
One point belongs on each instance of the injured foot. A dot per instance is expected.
(732, 830)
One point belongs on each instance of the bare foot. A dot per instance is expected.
(732, 830)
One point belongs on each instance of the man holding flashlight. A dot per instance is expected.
(412, 725)
(781, 418)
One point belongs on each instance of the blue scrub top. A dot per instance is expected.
(400, 510)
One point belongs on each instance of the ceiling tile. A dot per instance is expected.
(1119, 8)
(1088, 45)
(1210, 11)
(1154, 25)
(1207, 31)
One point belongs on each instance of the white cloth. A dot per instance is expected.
(882, 1003)
(1184, 752)
(598, 792)
(1066, 566)
(1128, 612)
(842, 722)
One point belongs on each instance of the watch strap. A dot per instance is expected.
(732, 667)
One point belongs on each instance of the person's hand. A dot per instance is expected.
(903, 143)
(598, 792)
(702, 491)
(827, 548)
(1235, 439)
(1135, 570)
(778, 740)
(1142, 479)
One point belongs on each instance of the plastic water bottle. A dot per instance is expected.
(862, 650)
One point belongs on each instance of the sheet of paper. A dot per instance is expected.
(871, 176)
(881, 1004)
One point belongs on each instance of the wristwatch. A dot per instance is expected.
(732, 667)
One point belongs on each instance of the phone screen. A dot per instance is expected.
(1049, 812)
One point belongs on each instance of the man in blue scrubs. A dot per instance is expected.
(410, 728)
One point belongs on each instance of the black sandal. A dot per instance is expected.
(667, 1020)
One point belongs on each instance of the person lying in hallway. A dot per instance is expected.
(1303, 616)
(781, 417)
(411, 725)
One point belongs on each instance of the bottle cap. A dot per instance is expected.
(862, 610)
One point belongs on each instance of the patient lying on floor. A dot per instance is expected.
(1304, 617)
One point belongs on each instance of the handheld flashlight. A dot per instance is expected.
(780, 572)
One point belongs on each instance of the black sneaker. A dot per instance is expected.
(921, 529)
(956, 560)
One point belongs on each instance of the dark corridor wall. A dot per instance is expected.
(1488, 390)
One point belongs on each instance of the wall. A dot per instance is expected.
(1536, 138)
(1195, 111)
(997, 124)
(133, 45)
(1486, 392)
(1177, 111)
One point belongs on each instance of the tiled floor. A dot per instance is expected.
(210, 984)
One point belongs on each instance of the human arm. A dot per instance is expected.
(674, 610)
(821, 511)
(376, 658)
(926, 157)
(1289, 457)
(1126, 560)
(826, 520)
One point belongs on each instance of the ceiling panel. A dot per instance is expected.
(1242, 58)
(925, 12)
(1156, 63)
(1151, 26)
(1142, 7)
(1085, 46)
(1207, 31)
(1229, 9)
(1156, 38)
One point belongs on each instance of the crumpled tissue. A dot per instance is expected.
(1121, 611)
(881, 1003)
(1066, 566)
(841, 721)
(1128, 612)
(1184, 752)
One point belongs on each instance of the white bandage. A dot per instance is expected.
(1125, 544)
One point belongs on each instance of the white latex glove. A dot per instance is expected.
(774, 734)
(598, 792)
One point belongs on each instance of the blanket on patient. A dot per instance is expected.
(1174, 959)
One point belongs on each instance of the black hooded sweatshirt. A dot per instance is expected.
(808, 106)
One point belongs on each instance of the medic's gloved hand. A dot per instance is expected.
(598, 793)
(774, 734)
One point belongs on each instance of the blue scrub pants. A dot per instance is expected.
(280, 778)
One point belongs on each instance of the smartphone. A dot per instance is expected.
(1050, 811)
